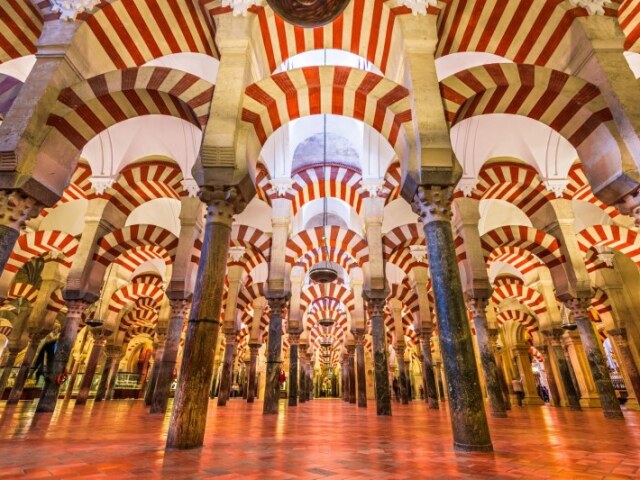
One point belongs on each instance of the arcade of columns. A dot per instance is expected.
(148, 215)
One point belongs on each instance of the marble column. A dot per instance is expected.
(49, 395)
(189, 414)
(625, 356)
(254, 348)
(15, 209)
(294, 339)
(8, 367)
(226, 378)
(428, 374)
(277, 303)
(361, 374)
(554, 338)
(27, 361)
(351, 351)
(101, 391)
(375, 305)
(167, 366)
(100, 335)
(554, 393)
(468, 417)
(595, 357)
(114, 353)
(158, 353)
(478, 309)
(402, 370)
(504, 388)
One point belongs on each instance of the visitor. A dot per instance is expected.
(421, 392)
(518, 390)
(396, 389)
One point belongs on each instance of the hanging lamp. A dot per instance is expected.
(324, 272)
(308, 13)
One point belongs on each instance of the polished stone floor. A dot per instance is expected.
(321, 439)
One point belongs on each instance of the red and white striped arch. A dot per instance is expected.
(528, 321)
(249, 260)
(314, 292)
(569, 105)
(141, 182)
(140, 330)
(340, 238)
(406, 295)
(132, 292)
(525, 33)
(519, 258)
(405, 261)
(600, 302)
(56, 303)
(512, 182)
(132, 246)
(579, 188)
(629, 18)
(314, 182)
(123, 34)
(6, 330)
(79, 187)
(35, 244)
(138, 316)
(22, 290)
(544, 246)
(365, 96)
(246, 236)
(366, 28)
(403, 236)
(621, 239)
(90, 107)
(20, 27)
(525, 295)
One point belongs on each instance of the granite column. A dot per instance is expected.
(375, 304)
(277, 303)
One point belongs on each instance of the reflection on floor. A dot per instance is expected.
(321, 439)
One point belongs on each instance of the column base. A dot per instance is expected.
(459, 447)
(532, 401)
(590, 402)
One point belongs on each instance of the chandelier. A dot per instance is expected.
(326, 342)
(308, 13)
(324, 272)
(326, 322)
(69, 9)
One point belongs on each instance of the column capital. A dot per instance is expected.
(16, 208)
(75, 308)
(100, 334)
(277, 301)
(579, 307)
(223, 202)
(630, 205)
(179, 307)
(543, 349)
(376, 301)
(432, 203)
(112, 351)
(351, 350)
(294, 338)
(477, 306)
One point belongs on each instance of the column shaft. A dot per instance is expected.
(352, 373)
(402, 370)
(468, 417)
(293, 372)
(114, 364)
(25, 367)
(274, 351)
(375, 304)
(428, 375)
(49, 395)
(361, 373)
(8, 367)
(226, 378)
(627, 360)
(189, 414)
(564, 371)
(90, 369)
(101, 392)
(253, 372)
(478, 307)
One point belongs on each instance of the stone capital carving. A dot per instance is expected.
(278, 302)
(554, 336)
(69, 9)
(351, 350)
(75, 308)
(230, 338)
(240, 7)
(100, 334)
(477, 306)
(432, 203)
(223, 202)
(236, 253)
(375, 304)
(179, 307)
(418, 7)
(418, 253)
(294, 338)
(16, 208)
(579, 307)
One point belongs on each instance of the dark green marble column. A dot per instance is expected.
(159, 344)
(468, 417)
(294, 339)
(375, 304)
(595, 357)
(429, 376)
(189, 414)
(49, 395)
(402, 370)
(277, 302)
(478, 307)
(361, 373)
(351, 366)
(15, 209)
